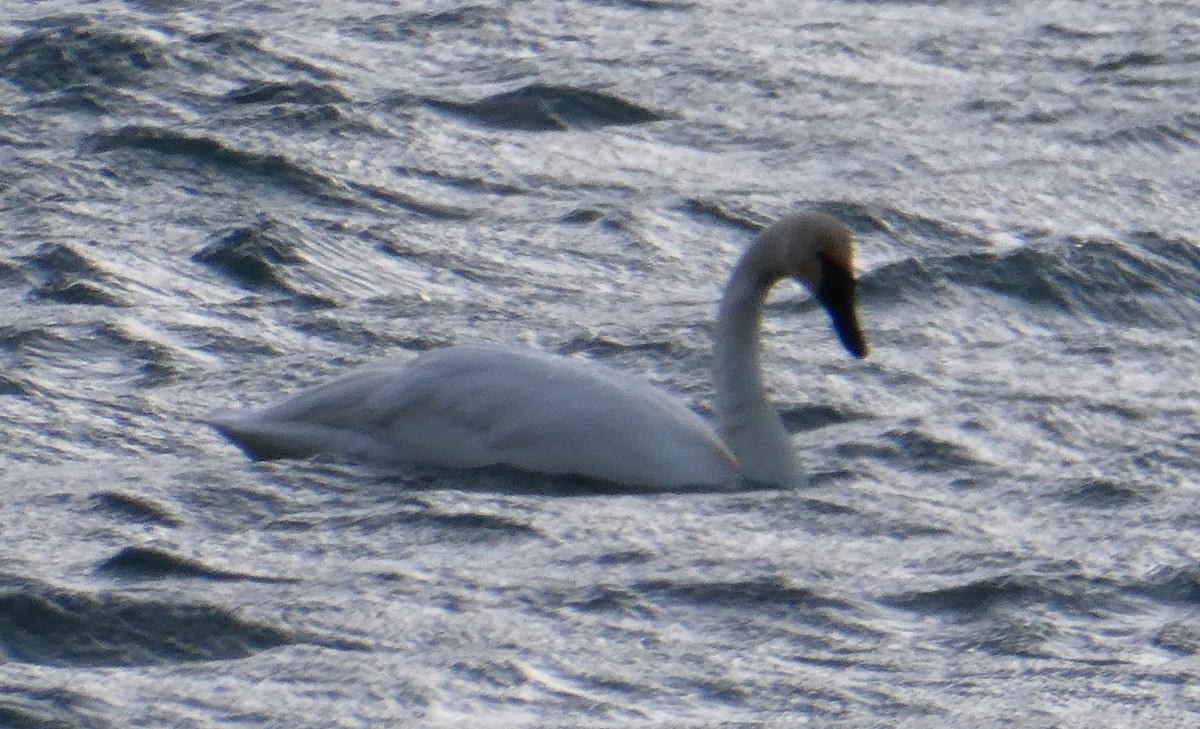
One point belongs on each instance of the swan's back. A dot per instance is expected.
(483, 405)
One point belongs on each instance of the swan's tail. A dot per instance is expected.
(261, 441)
(265, 440)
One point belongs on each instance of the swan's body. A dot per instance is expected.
(473, 406)
(483, 405)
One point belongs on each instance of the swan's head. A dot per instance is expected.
(818, 251)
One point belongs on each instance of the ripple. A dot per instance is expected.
(28, 340)
(10, 273)
(1071, 33)
(64, 290)
(577, 694)
(1021, 636)
(626, 557)
(720, 212)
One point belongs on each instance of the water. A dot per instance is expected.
(212, 204)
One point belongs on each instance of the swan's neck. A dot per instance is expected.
(746, 420)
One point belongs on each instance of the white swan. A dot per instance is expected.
(474, 406)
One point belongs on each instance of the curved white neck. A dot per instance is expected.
(746, 420)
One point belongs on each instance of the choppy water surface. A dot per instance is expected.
(208, 205)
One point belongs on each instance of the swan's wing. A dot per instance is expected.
(337, 417)
(483, 405)
(477, 405)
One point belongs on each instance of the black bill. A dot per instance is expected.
(837, 294)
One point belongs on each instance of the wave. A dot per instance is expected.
(1179, 131)
(83, 62)
(913, 450)
(135, 508)
(255, 256)
(650, 5)
(245, 48)
(1179, 638)
(306, 93)
(1018, 614)
(63, 275)
(10, 384)
(919, 236)
(51, 626)
(975, 597)
(1176, 585)
(547, 108)
(35, 707)
(476, 185)
(599, 696)
(475, 527)
(1142, 280)
(400, 27)
(188, 153)
(1133, 59)
(603, 346)
(76, 62)
(143, 360)
(814, 416)
(294, 106)
(203, 152)
(999, 615)
(600, 600)
(414, 516)
(764, 594)
(1101, 493)
(158, 563)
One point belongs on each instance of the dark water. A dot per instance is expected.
(212, 204)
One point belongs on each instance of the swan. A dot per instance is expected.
(482, 405)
